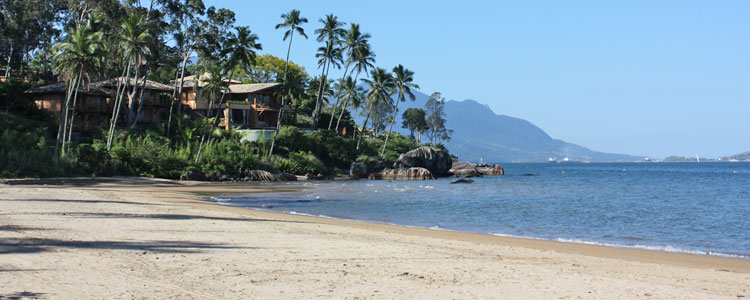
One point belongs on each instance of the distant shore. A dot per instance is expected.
(133, 238)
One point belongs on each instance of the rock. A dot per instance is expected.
(463, 181)
(193, 176)
(261, 175)
(363, 169)
(415, 173)
(464, 169)
(494, 169)
(437, 161)
(468, 172)
(319, 176)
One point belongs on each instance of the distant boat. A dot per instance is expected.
(552, 160)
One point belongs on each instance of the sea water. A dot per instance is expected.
(699, 208)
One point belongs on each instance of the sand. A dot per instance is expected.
(155, 239)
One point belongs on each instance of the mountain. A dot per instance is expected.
(744, 156)
(479, 133)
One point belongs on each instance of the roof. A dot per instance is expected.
(60, 87)
(151, 85)
(190, 80)
(251, 87)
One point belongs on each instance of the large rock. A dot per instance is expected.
(464, 169)
(403, 174)
(437, 161)
(193, 176)
(363, 169)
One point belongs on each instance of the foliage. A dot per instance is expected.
(415, 119)
(436, 119)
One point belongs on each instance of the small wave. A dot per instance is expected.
(666, 248)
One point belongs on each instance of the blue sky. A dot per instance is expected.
(651, 78)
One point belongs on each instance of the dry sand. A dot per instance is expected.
(148, 239)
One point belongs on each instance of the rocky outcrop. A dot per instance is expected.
(463, 181)
(193, 176)
(363, 169)
(414, 173)
(464, 169)
(436, 160)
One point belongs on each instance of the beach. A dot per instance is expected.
(132, 238)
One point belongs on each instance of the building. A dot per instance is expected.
(95, 103)
(247, 106)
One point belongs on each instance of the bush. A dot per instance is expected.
(307, 162)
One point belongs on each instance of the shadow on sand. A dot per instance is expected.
(36, 245)
(22, 295)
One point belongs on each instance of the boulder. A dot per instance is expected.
(414, 173)
(193, 176)
(463, 181)
(464, 169)
(363, 169)
(436, 160)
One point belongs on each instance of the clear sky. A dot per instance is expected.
(644, 77)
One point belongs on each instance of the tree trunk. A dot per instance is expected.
(182, 80)
(345, 105)
(63, 116)
(10, 57)
(393, 120)
(118, 104)
(140, 100)
(171, 103)
(338, 94)
(364, 124)
(131, 94)
(281, 109)
(216, 121)
(316, 112)
(73, 113)
(67, 108)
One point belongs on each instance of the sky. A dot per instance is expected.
(640, 77)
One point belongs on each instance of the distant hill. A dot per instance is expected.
(479, 133)
(744, 156)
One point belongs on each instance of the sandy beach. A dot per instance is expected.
(132, 238)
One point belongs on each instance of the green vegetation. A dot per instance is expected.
(80, 42)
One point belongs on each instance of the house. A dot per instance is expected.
(248, 106)
(95, 102)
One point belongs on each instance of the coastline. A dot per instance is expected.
(537, 261)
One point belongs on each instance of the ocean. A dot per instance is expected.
(701, 208)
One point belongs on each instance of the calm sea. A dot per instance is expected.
(683, 207)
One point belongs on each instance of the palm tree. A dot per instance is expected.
(213, 84)
(240, 52)
(135, 40)
(403, 80)
(380, 89)
(355, 42)
(350, 93)
(77, 57)
(363, 59)
(292, 20)
(331, 33)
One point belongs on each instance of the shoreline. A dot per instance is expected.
(164, 239)
(650, 248)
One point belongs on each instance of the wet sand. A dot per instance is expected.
(132, 238)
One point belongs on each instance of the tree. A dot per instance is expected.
(239, 52)
(350, 93)
(414, 119)
(136, 37)
(358, 51)
(403, 80)
(77, 56)
(331, 33)
(380, 89)
(269, 68)
(292, 20)
(436, 119)
(25, 27)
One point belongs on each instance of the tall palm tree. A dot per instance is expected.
(291, 20)
(135, 40)
(380, 89)
(354, 42)
(350, 93)
(363, 59)
(331, 33)
(136, 36)
(240, 52)
(77, 56)
(403, 79)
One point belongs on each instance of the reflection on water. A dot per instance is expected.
(693, 207)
